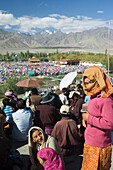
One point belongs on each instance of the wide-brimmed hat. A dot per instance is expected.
(47, 98)
(65, 109)
(72, 93)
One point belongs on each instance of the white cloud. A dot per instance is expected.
(7, 19)
(100, 12)
(55, 21)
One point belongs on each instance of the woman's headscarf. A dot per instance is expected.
(53, 160)
(100, 82)
(30, 137)
(34, 147)
(10, 93)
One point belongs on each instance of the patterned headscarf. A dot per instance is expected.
(53, 160)
(100, 82)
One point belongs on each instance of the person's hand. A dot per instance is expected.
(85, 116)
(84, 123)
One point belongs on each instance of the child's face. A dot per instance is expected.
(41, 161)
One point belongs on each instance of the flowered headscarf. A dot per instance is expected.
(53, 160)
(100, 82)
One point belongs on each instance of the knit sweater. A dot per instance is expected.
(100, 122)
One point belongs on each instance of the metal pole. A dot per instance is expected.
(108, 46)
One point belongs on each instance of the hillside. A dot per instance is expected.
(90, 39)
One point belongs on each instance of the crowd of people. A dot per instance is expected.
(40, 69)
(68, 129)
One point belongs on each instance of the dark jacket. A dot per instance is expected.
(46, 115)
(65, 132)
(76, 113)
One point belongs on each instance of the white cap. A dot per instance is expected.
(64, 109)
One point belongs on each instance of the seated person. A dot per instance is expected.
(8, 109)
(49, 159)
(38, 140)
(22, 121)
(5, 146)
(12, 97)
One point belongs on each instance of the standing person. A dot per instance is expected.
(76, 102)
(35, 99)
(49, 159)
(73, 97)
(46, 114)
(57, 90)
(66, 133)
(64, 96)
(99, 117)
(38, 140)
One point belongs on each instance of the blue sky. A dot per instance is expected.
(32, 16)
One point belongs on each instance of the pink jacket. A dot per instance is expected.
(100, 122)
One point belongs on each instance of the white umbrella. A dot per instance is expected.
(67, 79)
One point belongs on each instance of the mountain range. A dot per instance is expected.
(90, 39)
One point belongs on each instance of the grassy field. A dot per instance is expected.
(49, 82)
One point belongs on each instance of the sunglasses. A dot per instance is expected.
(89, 82)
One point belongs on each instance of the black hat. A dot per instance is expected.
(47, 98)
